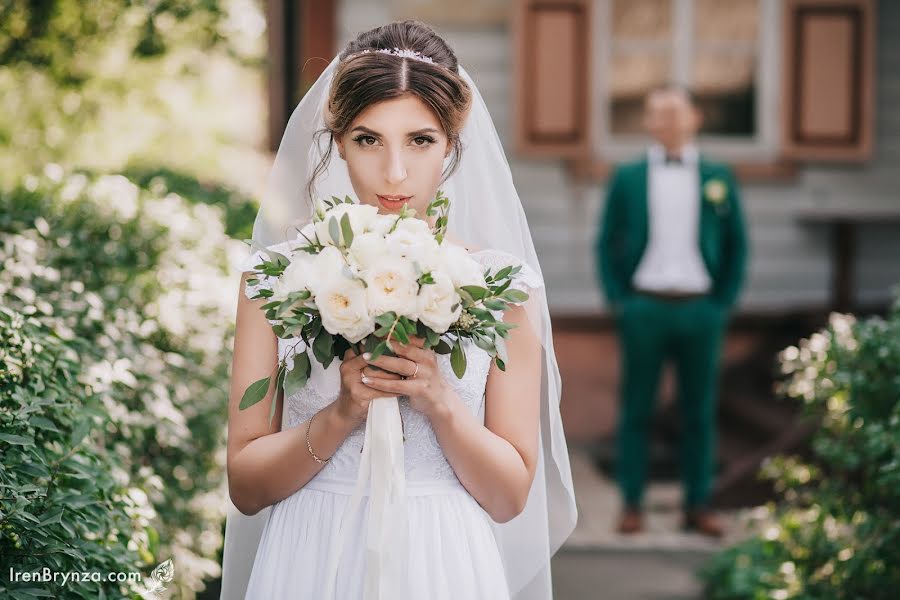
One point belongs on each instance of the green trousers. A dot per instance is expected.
(689, 333)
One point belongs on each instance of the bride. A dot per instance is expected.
(392, 120)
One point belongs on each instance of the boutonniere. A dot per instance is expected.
(715, 191)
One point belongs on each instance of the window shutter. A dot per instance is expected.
(301, 36)
(829, 80)
(552, 77)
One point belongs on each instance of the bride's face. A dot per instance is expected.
(395, 152)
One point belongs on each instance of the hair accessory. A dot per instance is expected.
(402, 52)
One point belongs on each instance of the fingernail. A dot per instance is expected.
(365, 379)
(367, 355)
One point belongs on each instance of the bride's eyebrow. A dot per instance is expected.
(411, 133)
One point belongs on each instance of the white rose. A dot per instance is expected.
(342, 306)
(383, 223)
(418, 246)
(392, 286)
(326, 266)
(296, 275)
(415, 226)
(460, 266)
(436, 301)
(368, 249)
(306, 235)
(362, 216)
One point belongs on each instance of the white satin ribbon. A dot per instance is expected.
(387, 533)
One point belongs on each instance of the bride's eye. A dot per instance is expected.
(426, 141)
(361, 140)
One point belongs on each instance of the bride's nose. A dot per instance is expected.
(396, 168)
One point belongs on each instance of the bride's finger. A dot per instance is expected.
(401, 366)
(373, 371)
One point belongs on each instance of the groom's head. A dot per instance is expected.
(671, 116)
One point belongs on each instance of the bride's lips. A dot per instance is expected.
(393, 202)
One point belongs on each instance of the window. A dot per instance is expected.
(725, 52)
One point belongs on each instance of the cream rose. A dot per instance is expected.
(342, 306)
(460, 266)
(362, 217)
(392, 286)
(436, 301)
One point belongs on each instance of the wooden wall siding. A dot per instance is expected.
(552, 70)
(790, 261)
(828, 79)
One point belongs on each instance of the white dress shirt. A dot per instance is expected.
(672, 261)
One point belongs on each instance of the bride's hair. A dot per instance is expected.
(365, 76)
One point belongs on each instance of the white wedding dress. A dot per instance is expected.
(452, 550)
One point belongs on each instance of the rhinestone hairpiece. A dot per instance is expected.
(402, 52)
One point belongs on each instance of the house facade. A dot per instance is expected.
(801, 96)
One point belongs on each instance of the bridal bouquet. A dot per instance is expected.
(359, 278)
(365, 279)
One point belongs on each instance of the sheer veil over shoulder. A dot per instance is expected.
(486, 213)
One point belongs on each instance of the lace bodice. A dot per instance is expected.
(424, 459)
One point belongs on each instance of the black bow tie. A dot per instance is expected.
(673, 159)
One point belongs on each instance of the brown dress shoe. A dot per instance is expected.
(703, 521)
(631, 521)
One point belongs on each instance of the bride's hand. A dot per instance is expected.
(428, 391)
(354, 397)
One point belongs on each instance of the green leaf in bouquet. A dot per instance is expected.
(383, 331)
(255, 392)
(503, 273)
(466, 297)
(515, 295)
(334, 230)
(379, 349)
(501, 364)
(458, 359)
(495, 304)
(485, 343)
(347, 230)
(480, 313)
(400, 333)
(348, 199)
(279, 383)
(476, 292)
(297, 377)
(315, 327)
(500, 343)
(431, 337)
(503, 328)
(443, 347)
(502, 288)
(278, 258)
(409, 325)
(322, 347)
(387, 318)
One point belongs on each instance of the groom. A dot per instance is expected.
(671, 254)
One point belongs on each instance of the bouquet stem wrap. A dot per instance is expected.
(387, 532)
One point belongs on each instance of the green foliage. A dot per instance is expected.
(78, 88)
(836, 531)
(64, 500)
(136, 280)
(53, 35)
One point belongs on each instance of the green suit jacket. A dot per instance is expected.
(623, 233)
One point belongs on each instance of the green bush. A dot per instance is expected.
(64, 503)
(137, 280)
(835, 532)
